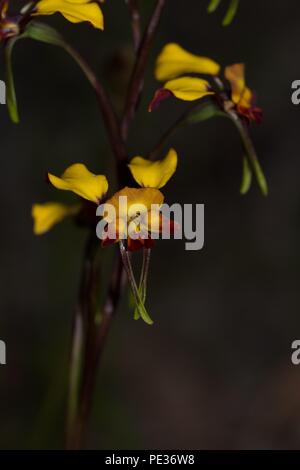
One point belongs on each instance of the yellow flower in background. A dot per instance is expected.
(172, 65)
(154, 174)
(75, 11)
(79, 180)
(242, 97)
(45, 216)
(174, 61)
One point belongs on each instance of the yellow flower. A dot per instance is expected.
(137, 212)
(45, 216)
(78, 179)
(143, 197)
(141, 210)
(75, 11)
(174, 61)
(241, 95)
(154, 174)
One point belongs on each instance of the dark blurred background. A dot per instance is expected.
(214, 372)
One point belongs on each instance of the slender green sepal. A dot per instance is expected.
(11, 99)
(231, 12)
(143, 279)
(246, 177)
(213, 5)
(137, 297)
(250, 152)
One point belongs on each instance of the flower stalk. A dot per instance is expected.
(81, 398)
(135, 23)
(137, 79)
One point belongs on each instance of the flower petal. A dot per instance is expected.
(45, 216)
(78, 179)
(174, 61)
(154, 174)
(240, 93)
(75, 11)
(188, 88)
(134, 197)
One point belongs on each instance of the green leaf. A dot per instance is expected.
(213, 5)
(231, 12)
(205, 112)
(246, 177)
(11, 99)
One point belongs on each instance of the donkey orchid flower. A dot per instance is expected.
(172, 65)
(142, 208)
(175, 63)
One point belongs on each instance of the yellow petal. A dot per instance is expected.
(45, 216)
(174, 61)
(240, 93)
(78, 179)
(75, 11)
(188, 88)
(134, 197)
(154, 174)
